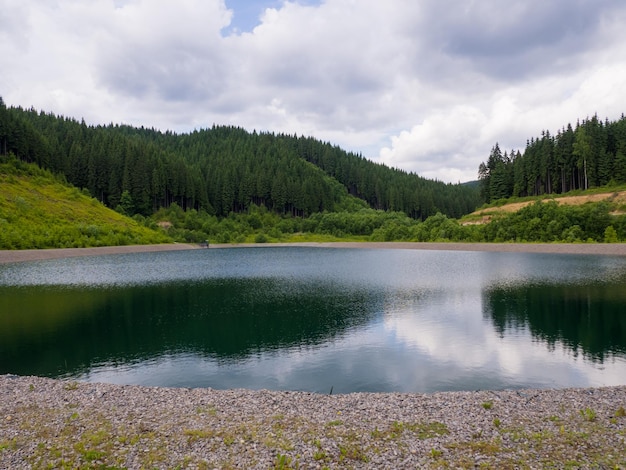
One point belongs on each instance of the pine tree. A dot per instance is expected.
(582, 151)
(4, 128)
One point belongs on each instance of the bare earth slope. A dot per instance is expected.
(618, 197)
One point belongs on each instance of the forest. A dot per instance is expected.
(590, 155)
(220, 170)
(228, 185)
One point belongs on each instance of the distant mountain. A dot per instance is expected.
(472, 184)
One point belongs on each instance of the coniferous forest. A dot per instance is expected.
(220, 170)
(226, 184)
(593, 154)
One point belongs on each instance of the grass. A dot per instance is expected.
(588, 414)
(336, 422)
(8, 444)
(39, 211)
(71, 385)
(352, 451)
(197, 434)
(284, 462)
(503, 205)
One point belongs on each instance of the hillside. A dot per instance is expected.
(591, 154)
(225, 184)
(37, 210)
(597, 215)
(484, 215)
(219, 170)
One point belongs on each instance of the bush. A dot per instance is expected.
(610, 235)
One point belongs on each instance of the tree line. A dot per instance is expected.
(33, 214)
(219, 170)
(545, 222)
(591, 154)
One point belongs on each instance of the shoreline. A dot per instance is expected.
(20, 256)
(47, 423)
(607, 249)
(53, 423)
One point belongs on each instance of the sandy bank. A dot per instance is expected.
(609, 249)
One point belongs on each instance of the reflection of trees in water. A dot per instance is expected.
(587, 319)
(226, 319)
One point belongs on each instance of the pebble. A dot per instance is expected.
(50, 424)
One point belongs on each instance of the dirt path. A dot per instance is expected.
(619, 197)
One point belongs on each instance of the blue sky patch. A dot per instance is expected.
(247, 13)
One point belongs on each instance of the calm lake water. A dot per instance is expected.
(316, 319)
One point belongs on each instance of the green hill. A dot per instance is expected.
(225, 184)
(38, 210)
(220, 170)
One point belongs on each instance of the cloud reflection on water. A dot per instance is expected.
(312, 319)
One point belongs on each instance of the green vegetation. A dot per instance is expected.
(219, 170)
(588, 414)
(546, 222)
(38, 210)
(551, 222)
(283, 462)
(591, 155)
(569, 440)
(398, 430)
(226, 185)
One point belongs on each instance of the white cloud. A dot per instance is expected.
(460, 340)
(437, 145)
(424, 86)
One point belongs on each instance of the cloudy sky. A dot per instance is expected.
(423, 85)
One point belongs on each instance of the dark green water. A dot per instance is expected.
(315, 318)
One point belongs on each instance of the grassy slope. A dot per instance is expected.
(38, 211)
(485, 213)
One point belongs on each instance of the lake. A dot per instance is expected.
(318, 319)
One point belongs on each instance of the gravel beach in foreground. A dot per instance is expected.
(47, 423)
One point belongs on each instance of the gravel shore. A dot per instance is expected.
(612, 249)
(47, 423)
(16, 256)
